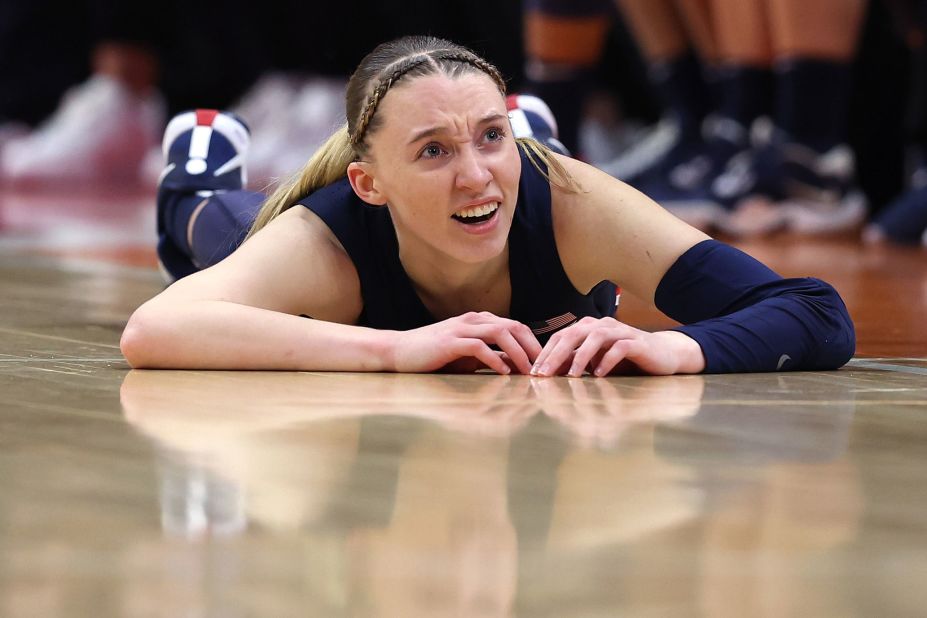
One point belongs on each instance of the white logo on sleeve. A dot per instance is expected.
(782, 360)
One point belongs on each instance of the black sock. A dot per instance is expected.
(745, 93)
(565, 94)
(812, 101)
(684, 90)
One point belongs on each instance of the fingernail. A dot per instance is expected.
(543, 369)
(599, 372)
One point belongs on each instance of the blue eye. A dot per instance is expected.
(431, 151)
(495, 134)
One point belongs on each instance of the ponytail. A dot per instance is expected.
(328, 164)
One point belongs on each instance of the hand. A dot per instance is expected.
(605, 345)
(462, 344)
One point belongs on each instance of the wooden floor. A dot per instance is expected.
(174, 494)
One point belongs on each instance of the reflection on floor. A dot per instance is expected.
(140, 493)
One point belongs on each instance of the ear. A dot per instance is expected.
(360, 175)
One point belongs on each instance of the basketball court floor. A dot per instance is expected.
(233, 494)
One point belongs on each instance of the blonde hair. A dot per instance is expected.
(375, 75)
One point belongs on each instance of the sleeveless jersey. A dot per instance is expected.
(542, 295)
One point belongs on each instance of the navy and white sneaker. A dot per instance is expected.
(204, 152)
(204, 149)
(904, 220)
(682, 184)
(782, 184)
(531, 117)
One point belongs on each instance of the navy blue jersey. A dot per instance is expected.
(542, 295)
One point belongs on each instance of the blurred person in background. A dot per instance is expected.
(126, 68)
(719, 66)
(904, 220)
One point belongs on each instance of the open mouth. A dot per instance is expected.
(476, 214)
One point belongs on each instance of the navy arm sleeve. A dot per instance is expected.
(747, 318)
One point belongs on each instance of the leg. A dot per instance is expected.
(744, 59)
(678, 37)
(202, 228)
(802, 175)
(203, 213)
(564, 41)
(813, 45)
(676, 70)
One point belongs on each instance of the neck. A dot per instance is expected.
(448, 287)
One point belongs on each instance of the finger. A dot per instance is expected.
(508, 361)
(478, 349)
(617, 353)
(522, 334)
(499, 334)
(593, 343)
(528, 341)
(559, 350)
(513, 350)
(546, 351)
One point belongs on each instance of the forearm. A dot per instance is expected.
(209, 334)
(747, 318)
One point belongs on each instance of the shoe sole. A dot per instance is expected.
(817, 218)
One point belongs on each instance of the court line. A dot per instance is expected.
(33, 407)
(887, 367)
(61, 359)
(12, 331)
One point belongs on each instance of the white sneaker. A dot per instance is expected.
(288, 138)
(11, 131)
(268, 100)
(654, 143)
(100, 131)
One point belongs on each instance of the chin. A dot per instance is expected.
(479, 252)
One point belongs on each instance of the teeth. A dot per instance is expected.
(478, 211)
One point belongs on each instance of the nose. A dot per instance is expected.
(472, 171)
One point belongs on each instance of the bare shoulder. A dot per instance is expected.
(294, 265)
(610, 231)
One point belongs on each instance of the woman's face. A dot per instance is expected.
(445, 161)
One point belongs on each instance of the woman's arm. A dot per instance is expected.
(244, 313)
(741, 315)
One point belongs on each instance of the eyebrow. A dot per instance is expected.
(438, 129)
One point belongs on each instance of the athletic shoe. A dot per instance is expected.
(100, 132)
(289, 137)
(204, 149)
(531, 117)
(682, 186)
(12, 131)
(648, 152)
(204, 153)
(904, 221)
(268, 100)
(783, 184)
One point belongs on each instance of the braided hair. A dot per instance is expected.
(379, 71)
(441, 57)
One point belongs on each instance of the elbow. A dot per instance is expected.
(846, 337)
(840, 344)
(138, 341)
